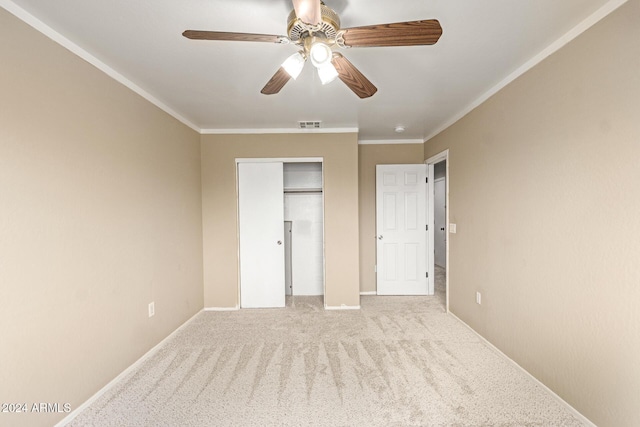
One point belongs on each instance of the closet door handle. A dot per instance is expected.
(279, 242)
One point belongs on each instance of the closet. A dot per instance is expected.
(281, 232)
(303, 213)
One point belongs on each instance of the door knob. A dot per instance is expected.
(380, 237)
(442, 229)
(279, 242)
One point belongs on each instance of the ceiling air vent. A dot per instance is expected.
(309, 125)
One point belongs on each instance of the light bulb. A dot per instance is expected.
(320, 54)
(327, 73)
(293, 65)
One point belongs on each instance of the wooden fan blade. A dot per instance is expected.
(352, 77)
(308, 11)
(410, 33)
(241, 37)
(277, 82)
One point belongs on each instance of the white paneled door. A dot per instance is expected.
(401, 221)
(261, 219)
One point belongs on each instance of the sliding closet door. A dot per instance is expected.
(261, 219)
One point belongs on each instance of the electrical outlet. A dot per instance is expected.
(453, 228)
(478, 298)
(152, 309)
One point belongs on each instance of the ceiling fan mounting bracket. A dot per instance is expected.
(328, 27)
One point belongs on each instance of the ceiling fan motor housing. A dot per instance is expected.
(329, 27)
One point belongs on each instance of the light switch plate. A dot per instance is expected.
(452, 228)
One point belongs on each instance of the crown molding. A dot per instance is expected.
(52, 34)
(275, 130)
(40, 26)
(390, 141)
(587, 23)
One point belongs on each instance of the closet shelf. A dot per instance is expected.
(303, 190)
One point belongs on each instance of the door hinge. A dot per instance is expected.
(426, 180)
(427, 274)
(427, 227)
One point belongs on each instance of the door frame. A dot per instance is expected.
(431, 161)
(283, 160)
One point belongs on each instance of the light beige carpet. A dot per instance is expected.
(399, 361)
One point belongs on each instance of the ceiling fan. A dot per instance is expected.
(316, 29)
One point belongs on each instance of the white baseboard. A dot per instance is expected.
(222, 308)
(563, 402)
(369, 293)
(326, 307)
(342, 307)
(66, 420)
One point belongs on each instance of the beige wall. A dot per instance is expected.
(219, 205)
(368, 157)
(100, 214)
(545, 190)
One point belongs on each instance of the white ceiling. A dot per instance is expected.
(215, 86)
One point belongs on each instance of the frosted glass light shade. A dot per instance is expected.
(320, 54)
(327, 73)
(293, 65)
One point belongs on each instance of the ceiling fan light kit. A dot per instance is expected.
(316, 28)
(320, 54)
(294, 64)
(327, 74)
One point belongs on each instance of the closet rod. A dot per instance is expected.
(303, 190)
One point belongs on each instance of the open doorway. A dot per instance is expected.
(438, 224)
(439, 231)
(303, 215)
